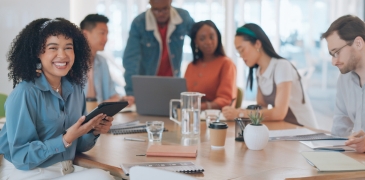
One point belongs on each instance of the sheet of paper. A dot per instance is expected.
(290, 132)
(332, 161)
(335, 145)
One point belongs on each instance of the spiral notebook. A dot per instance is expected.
(130, 130)
(182, 167)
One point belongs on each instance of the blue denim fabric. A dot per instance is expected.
(142, 53)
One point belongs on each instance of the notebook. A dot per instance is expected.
(130, 130)
(183, 167)
(172, 151)
(153, 93)
(332, 161)
(333, 145)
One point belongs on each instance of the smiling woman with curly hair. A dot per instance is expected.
(30, 43)
(48, 62)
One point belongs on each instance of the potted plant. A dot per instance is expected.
(256, 134)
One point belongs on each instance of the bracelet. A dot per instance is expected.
(208, 105)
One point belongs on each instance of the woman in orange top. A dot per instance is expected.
(211, 71)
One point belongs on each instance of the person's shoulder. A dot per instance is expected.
(182, 12)
(226, 60)
(24, 88)
(191, 65)
(141, 18)
(282, 62)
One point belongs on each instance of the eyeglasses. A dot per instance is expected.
(162, 10)
(335, 54)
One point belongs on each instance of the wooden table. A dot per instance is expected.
(278, 160)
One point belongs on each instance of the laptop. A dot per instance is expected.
(153, 93)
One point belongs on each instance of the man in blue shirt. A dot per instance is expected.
(100, 84)
(155, 42)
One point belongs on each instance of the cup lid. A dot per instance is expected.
(218, 125)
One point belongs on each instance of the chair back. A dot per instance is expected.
(2, 102)
(142, 173)
(239, 97)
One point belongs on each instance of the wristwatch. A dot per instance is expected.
(64, 141)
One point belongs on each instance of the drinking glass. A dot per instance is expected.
(212, 115)
(154, 130)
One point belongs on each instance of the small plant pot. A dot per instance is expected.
(256, 136)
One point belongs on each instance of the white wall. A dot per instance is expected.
(14, 16)
(79, 9)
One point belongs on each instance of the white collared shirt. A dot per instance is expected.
(349, 113)
(285, 72)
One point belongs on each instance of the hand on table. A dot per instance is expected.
(230, 113)
(357, 141)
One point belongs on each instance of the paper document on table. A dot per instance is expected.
(290, 132)
(301, 134)
(332, 161)
(333, 145)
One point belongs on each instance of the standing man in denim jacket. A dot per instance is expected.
(155, 43)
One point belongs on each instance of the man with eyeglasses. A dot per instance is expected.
(155, 43)
(346, 45)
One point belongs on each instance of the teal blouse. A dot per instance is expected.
(36, 117)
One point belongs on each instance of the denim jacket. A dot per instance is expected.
(144, 46)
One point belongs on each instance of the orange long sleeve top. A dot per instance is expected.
(216, 79)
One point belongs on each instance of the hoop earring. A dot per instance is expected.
(38, 69)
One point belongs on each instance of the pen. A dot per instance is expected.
(232, 101)
(134, 139)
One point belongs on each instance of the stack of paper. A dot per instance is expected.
(332, 161)
(334, 145)
(301, 134)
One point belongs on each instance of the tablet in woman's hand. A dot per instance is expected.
(108, 108)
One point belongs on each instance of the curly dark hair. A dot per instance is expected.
(30, 43)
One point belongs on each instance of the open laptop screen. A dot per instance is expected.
(153, 93)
